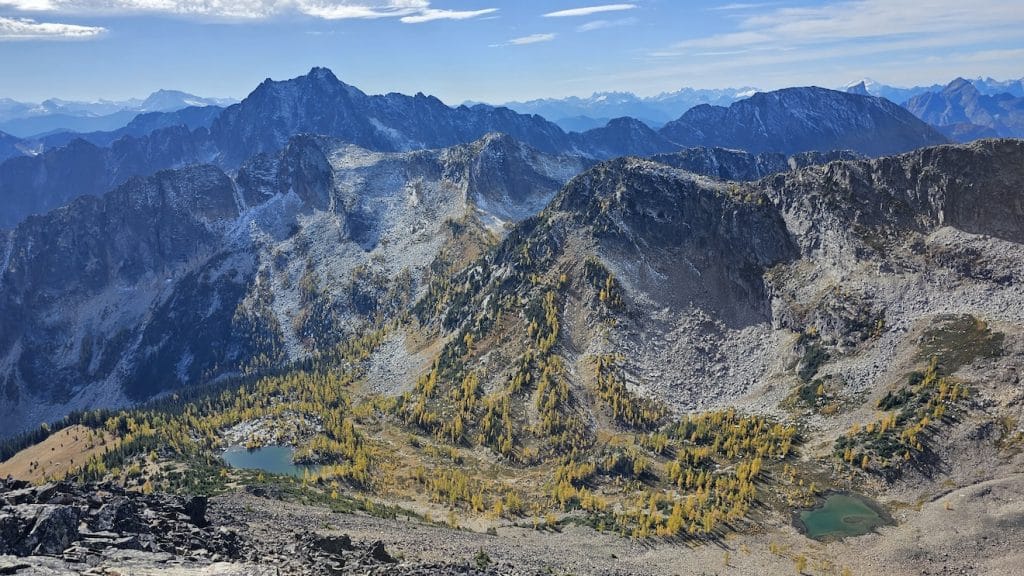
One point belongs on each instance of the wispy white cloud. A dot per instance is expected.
(525, 40)
(739, 6)
(409, 11)
(431, 14)
(329, 10)
(862, 21)
(531, 39)
(602, 24)
(26, 29)
(589, 10)
(901, 61)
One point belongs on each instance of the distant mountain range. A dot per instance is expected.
(987, 86)
(26, 119)
(575, 114)
(963, 112)
(786, 121)
(869, 87)
(37, 121)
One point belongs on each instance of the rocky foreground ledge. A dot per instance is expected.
(66, 528)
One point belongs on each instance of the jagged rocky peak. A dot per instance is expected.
(322, 73)
(321, 104)
(859, 88)
(650, 204)
(276, 110)
(890, 201)
(960, 85)
(318, 78)
(676, 239)
(305, 169)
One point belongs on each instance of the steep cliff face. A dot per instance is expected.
(687, 240)
(804, 119)
(971, 188)
(77, 281)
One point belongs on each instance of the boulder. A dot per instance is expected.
(334, 544)
(195, 509)
(56, 528)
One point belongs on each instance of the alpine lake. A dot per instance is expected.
(270, 459)
(840, 515)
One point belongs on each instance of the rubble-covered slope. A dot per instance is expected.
(718, 293)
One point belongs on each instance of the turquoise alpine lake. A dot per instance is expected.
(839, 516)
(272, 459)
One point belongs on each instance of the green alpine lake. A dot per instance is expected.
(840, 515)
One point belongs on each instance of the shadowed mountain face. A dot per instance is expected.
(9, 146)
(320, 103)
(36, 184)
(190, 274)
(974, 188)
(624, 137)
(689, 241)
(965, 113)
(804, 119)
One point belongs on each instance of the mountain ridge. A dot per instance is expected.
(801, 119)
(319, 103)
(965, 111)
(29, 120)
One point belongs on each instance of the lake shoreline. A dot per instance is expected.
(820, 502)
(276, 459)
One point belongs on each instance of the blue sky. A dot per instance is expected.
(497, 50)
